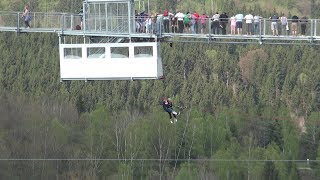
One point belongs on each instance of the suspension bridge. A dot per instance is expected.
(112, 47)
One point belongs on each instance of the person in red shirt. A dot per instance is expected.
(196, 25)
(203, 21)
(166, 19)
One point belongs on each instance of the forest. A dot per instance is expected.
(251, 112)
(309, 8)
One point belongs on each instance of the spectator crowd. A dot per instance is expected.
(219, 23)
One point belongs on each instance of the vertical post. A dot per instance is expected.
(61, 53)
(144, 7)
(264, 27)
(62, 23)
(106, 10)
(159, 26)
(84, 16)
(34, 20)
(311, 28)
(315, 27)
(209, 30)
(130, 6)
(100, 25)
(95, 16)
(71, 23)
(18, 23)
(260, 32)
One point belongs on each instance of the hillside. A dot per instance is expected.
(243, 102)
(250, 111)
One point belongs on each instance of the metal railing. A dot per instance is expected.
(39, 20)
(104, 25)
(263, 27)
(63, 21)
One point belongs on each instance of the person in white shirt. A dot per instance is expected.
(257, 21)
(149, 24)
(284, 25)
(180, 17)
(215, 23)
(249, 21)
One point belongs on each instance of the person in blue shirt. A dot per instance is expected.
(274, 24)
(239, 18)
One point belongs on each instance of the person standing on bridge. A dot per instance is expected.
(257, 23)
(180, 17)
(193, 21)
(197, 24)
(294, 25)
(186, 22)
(303, 25)
(215, 23)
(166, 19)
(284, 25)
(233, 25)
(274, 24)
(249, 21)
(174, 21)
(239, 18)
(203, 21)
(223, 22)
(26, 16)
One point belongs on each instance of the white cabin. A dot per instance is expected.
(110, 61)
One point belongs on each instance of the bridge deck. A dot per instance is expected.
(64, 24)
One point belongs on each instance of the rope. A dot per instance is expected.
(193, 160)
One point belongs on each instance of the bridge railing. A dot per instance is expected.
(13, 21)
(39, 20)
(65, 21)
(10, 19)
(263, 28)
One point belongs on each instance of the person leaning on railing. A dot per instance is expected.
(249, 21)
(257, 20)
(215, 23)
(166, 19)
(174, 26)
(203, 21)
(223, 23)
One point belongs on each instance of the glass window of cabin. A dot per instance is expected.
(96, 52)
(72, 53)
(143, 51)
(119, 52)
